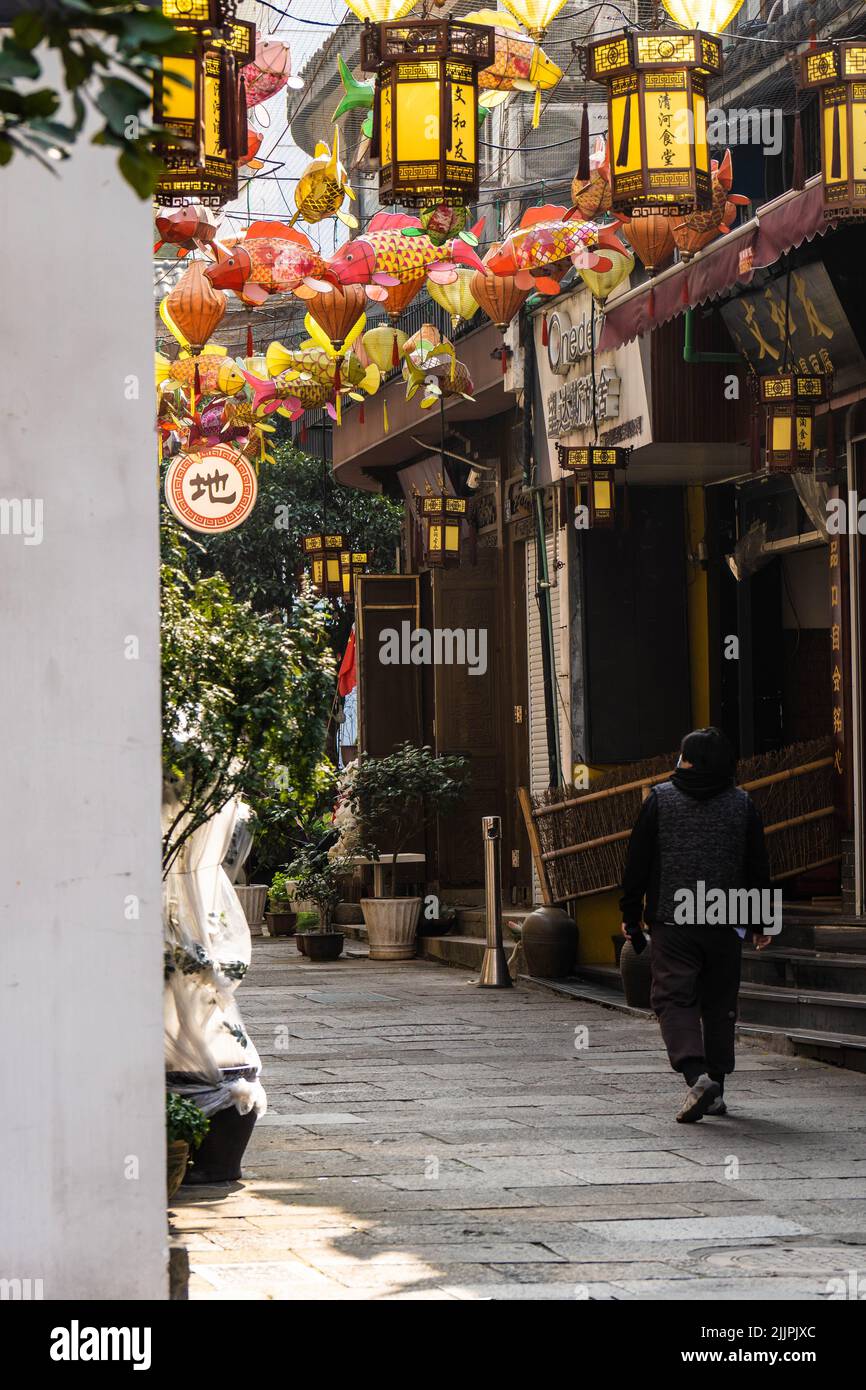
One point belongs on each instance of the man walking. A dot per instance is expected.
(698, 840)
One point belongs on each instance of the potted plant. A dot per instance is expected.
(185, 1127)
(393, 799)
(281, 919)
(317, 879)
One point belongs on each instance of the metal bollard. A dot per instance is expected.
(494, 968)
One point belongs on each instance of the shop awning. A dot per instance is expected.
(777, 227)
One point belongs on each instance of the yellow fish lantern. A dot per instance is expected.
(519, 64)
(602, 283)
(202, 373)
(323, 187)
(384, 346)
(456, 298)
(536, 16)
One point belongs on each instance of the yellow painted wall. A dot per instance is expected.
(597, 919)
(699, 634)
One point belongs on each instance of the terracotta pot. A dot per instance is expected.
(177, 1159)
(282, 923)
(323, 945)
(636, 971)
(549, 939)
(392, 926)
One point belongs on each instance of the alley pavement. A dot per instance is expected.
(429, 1140)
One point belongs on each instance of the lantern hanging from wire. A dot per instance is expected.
(501, 299)
(592, 469)
(380, 11)
(442, 517)
(657, 118)
(197, 98)
(838, 70)
(426, 108)
(352, 562)
(194, 307)
(789, 400)
(456, 298)
(712, 15)
(323, 552)
(384, 346)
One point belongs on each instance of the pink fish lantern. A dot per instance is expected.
(268, 73)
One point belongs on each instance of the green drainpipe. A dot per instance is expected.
(693, 358)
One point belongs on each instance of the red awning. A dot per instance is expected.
(776, 228)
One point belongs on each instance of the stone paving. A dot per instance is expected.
(429, 1140)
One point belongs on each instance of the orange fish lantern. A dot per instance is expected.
(693, 233)
(338, 310)
(591, 196)
(248, 160)
(267, 74)
(547, 235)
(193, 309)
(270, 259)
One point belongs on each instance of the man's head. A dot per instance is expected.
(708, 750)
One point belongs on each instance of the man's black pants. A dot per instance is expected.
(695, 983)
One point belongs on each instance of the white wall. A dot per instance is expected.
(80, 984)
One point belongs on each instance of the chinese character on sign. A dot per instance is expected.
(212, 484)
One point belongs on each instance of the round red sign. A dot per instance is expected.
(212, 491)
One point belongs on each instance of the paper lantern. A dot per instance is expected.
(602, 283)
(839, 71)
(380, 11)
(535, 15)
(323, 552)
(651, 239)
(352, 562)
(789, 400)
(442, 517)
(714, 15)
(398, 297)
(456, 298)
(657, 118)
(268, 73)
(384, 346)
(499, 296)
(338, 310)
(426, 108)
(592, 469)
(195, 306)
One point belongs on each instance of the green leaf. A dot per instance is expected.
(17, 62)
(118, 100)
(6, 149)
(140, 169)
(28, 30)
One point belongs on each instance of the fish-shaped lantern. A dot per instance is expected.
(591, 196)
(435, 367)
(270, 259)
(696, 231)
(189, 228)
(323, 187)
(547, 235)
(394, 250)
(312, 362)
(519, 64)
(206, 373)
(267, 74)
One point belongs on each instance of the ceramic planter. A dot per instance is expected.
(177, 1159)
(636, 971)
(323, 945)
(549, 939)
(253, 897)
(282, 922)
(392, 926)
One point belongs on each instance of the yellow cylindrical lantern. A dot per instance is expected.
(426, 108)
(323, 552)
(839, 71)
(713, 15)
(657, 118)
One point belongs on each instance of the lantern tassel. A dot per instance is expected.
(622, 152)
(583, 158)
(536, 109)
(544, 332)
(798, 170)
(836, 154)
(395, 350)
(385, 426)
(503, 357)
(249, 340)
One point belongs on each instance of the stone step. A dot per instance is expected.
(466, 952)
(806, 969)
